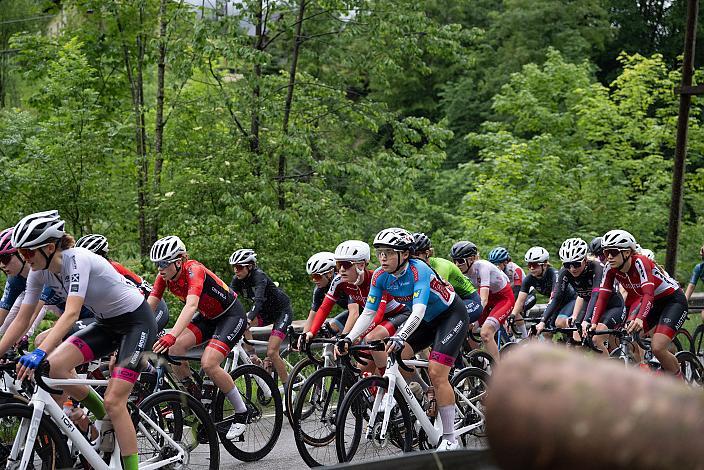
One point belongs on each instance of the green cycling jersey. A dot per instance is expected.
(452, 274)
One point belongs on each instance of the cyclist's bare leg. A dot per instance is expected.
(210, 361)
(487, 333)
(272, 352)
(62, 363)
(380, 357)
(667, 360)
(116, 406)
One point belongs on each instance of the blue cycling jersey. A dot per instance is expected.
(50, 297)
(697, 274)
(14, 286)
(417, 285)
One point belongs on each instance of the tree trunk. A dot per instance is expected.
(254, 127)
(143, 157)
(289, 99)
(159, 125)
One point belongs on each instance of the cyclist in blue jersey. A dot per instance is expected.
(697, 273)
(438, 317)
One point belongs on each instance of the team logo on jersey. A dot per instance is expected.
(74, 287)
(416, 294)
(414, 271)
(75, 277)
(371, 299)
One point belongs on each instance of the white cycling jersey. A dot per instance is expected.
(105, 292)
(486, 274)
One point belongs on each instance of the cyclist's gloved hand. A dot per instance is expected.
(394, 344)
(343, 345)
(164, 343)
(304, 339)
(32, 360)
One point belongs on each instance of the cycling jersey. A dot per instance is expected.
(269, 300)
(52, 298)
(452, 274)
(545, 285)
(133, 278)
(319, 297)
(84, 274)
(214, 297)
(586, 286)
(486, 274)
(514, 273)
(14, 286)
(697, 273)
(418, 284)
(356, 294)
(645, 280)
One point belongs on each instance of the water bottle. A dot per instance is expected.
(432, 409)
(68, 407)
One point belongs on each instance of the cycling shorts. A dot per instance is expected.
(613, 317)
(668, 314)
(499, 306)
(279, 323)
(567, 309)
(393, 321)
(473, 304)
(130, 334)
(340, 320)
(79, 325)
(161, 314)
(222, 332)
(445, 333)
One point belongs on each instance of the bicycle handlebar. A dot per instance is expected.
(39, 373)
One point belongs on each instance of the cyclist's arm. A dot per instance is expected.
(17, 328)
(353, 309)
(557, 296)
(365, 319)
(689, 291)
(260, 283)
(186, 315)
(647, 287)
(63, 325)
(157, 292)
(605, 291)
(578, 303)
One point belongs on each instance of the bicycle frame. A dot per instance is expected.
(42, 402)
(433, 431)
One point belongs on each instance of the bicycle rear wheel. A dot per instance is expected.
(186, 421)
(299, 374)
(470, 387)
(357, 439)
(692, 369)
(265, 417)
(49, 451)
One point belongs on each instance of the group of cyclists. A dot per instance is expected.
(413, 301)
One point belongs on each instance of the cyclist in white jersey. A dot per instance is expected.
(124, 320)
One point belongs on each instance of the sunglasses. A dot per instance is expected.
(534, 265)
(344, 264)
(164, 264)
(460, 262)
(613, 252)
(386, 252)
(5, 259)
(572, 264)
(317, 277)
(240, 267)
(27, 253)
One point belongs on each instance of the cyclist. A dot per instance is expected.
(543, 277)
(270, 305)
(124, 320)
(596, 250)
(353, 281)
(438, 318)
(321, 269)
(697, 273)
(502, 259)
(448, 271)
(211, 313)
(584, 276)
(494, 290)
(662, 306)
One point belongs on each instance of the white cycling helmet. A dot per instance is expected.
(573, 249)
(94, 242)
(618, 239)
(648, 253)
(320, 263)
(537, 254)
(243, 256)
(352, 250)
(167, 249)
(37, 230)
(395, 238)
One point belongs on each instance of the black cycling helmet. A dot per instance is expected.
(463, 249)
(595, 246)
(421, 242)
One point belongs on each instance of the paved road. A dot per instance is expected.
(283, 456)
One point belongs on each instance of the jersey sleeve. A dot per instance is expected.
(79, 275)
(645, 273)
(326, 306)
(260, 282)
(484, 276)
(421, 287)
(196, 279)
(558, 294)
(10, 294)
(696, 274)
(527, 283)
(35, 285)
(517, 276)
(605, 290)
(159, 287)
(318, 296)
(460, 282)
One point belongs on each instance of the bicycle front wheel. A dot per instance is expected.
(470, 385)
(264, 419)
(359, 436)
(187, 424)
(300, 372)
(49, 451)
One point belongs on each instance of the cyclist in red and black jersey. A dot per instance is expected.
(98, 244)
(321, 269)
(212, 313)
(662, 306)
(270, 305)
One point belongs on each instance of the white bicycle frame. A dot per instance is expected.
(42, 402)
(433, 431)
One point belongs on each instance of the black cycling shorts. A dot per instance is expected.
(222, 332)
(79, 325)
(667, 314)
(393, 321)
(161, 314)
(280, 323)
(445, 333)
(130, 334)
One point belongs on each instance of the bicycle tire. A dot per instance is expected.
(698, 341)
(692, 369)
(471, 383)
(480, 359)
(685, 338)
(295, 384)
(244, 378)
(356, 402)
(53, 451)
(202, 430)
(313, 442)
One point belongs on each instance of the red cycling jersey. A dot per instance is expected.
(357, 295)
(195, 279)
(644, 280)
(131, 276)
(513, 271)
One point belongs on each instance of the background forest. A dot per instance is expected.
(289, 126)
